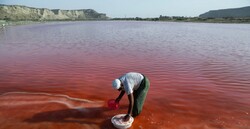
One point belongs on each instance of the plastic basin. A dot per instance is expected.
(119, 123)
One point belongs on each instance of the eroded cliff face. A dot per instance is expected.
(17, 12)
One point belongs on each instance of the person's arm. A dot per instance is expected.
(120, 96)
(130, 108)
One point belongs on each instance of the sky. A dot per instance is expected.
(136, 8)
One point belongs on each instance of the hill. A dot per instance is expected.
(18, 12)
(243, 12)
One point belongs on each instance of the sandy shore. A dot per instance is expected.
(4, 23)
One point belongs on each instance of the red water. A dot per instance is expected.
(58, 75)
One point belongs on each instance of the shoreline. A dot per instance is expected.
(4, 23)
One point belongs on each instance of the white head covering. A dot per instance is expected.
(116, 84)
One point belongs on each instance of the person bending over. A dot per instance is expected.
(136, 86)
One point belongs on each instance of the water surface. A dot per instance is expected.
(58, 75)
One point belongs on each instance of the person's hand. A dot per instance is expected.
(126, 118)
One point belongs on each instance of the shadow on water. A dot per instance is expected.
(106, 124)
(97, 116)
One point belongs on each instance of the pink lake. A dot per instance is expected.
(58, 75)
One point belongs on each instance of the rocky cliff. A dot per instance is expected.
(227, 13)
(17, 12)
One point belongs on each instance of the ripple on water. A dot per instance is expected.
(199, 73)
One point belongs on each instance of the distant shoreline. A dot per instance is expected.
(4, 23)
(190, 19)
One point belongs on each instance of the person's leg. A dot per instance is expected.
(139, 97)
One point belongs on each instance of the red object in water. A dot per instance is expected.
(112, 104)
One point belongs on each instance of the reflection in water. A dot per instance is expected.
(199, 74)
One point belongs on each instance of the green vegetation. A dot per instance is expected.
(190, 19)
(9, 22)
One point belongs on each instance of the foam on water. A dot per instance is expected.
(24, 108)
(30, 98)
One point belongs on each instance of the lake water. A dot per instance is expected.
(58, 75)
